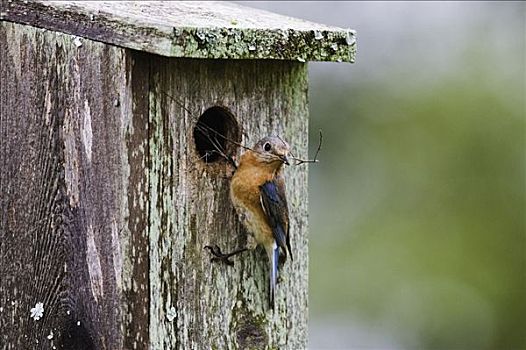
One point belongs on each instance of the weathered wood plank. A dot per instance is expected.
(193, 29)
(221, 307)
(72, 195)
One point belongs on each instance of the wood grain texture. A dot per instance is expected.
(106, 206)
(222, 307)
(69, 193)
(193, 29)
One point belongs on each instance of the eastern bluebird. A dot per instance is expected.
(257, 191)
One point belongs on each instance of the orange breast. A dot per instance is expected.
(244, 193)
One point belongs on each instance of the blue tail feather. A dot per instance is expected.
(274, 260)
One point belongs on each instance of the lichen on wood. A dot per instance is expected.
(215, 30)
(221, 306)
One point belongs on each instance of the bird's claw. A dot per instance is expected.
(219, 256)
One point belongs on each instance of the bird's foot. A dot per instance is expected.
(220, 257)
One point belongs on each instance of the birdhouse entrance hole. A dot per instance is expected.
(214, 132)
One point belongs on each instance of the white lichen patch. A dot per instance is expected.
(77, 42)
(38, 311)
(350, 39)
(48, 104)
(171, 313)
(71, 163)
(117, 256)
(14, 48)
(86, 132)
(94, 267)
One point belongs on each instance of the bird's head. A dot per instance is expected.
(272, 150)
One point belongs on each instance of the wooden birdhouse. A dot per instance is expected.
(109, 192)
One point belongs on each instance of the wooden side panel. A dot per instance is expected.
(196, 304)
(73, 193)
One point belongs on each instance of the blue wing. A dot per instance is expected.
(274, 202)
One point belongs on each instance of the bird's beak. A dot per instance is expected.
(285, 160)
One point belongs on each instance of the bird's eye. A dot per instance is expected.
(267, 147)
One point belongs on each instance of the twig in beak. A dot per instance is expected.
(315, 160)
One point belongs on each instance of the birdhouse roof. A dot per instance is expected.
(194, 29)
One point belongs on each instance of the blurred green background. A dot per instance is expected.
(418, 206)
